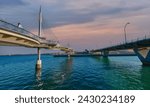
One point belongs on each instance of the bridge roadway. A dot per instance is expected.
(141, 48)
(12, 35)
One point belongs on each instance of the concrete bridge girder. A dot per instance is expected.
(8, 34)
(14, 39)
(13, 42)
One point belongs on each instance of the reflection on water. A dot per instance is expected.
(145, 77)
(64, 71)
(102, 60)
(125, 74)
(54, 78)
(38, 74)
(18, 72)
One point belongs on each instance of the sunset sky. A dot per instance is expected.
(84, 24)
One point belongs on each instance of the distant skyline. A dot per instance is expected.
(84, 24)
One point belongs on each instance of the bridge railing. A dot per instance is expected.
(8, 26)
(48, 42)
(146, 37)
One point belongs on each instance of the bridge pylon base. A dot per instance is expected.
(144, 55)
(105, 54)
(39, 64)
(39, 61)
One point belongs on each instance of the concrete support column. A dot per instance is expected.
(68, 55)
(105, 53)
(144, 55)
(39, 62)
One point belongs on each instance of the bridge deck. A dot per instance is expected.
(5, 26)
(129, 45)
(12, 35)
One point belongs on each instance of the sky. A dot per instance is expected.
(81, 24)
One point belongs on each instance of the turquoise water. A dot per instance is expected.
(88, 73)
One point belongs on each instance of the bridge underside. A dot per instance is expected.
(13, 39)
(9, 38)
(144, 55)
(140, 47)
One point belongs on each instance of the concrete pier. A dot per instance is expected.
(105, 53)
(39, 61)
(144, 55)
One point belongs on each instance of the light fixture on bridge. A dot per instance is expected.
(125, 34)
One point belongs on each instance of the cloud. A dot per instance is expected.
(83, 11)
(63, 12)
(93, 21)
(11, 2)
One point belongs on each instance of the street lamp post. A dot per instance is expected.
(125, 34)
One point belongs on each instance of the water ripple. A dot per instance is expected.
(18, 72)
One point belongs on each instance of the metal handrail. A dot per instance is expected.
(130, 42)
